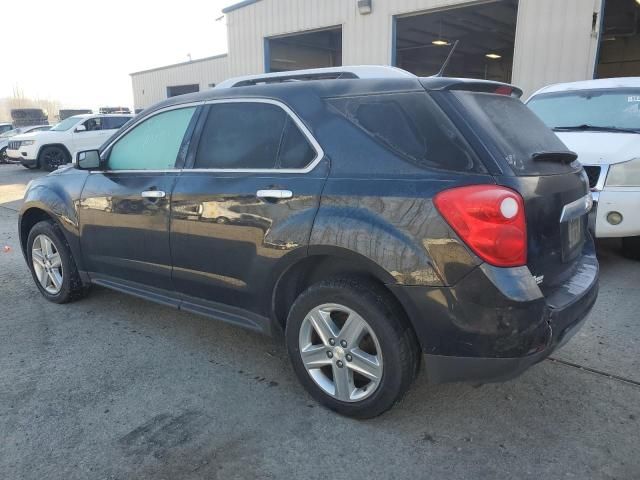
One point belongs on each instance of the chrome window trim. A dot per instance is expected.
(303, 128)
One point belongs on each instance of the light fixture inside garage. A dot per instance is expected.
(440, 43)
(493, 56)
(364, 6)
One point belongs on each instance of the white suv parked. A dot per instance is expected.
(600, 121)
(59, 145)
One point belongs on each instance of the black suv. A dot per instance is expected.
(377, 223)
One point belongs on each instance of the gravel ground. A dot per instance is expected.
(113, 387)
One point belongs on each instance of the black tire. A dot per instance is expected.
(72, 288)
(396, 339)
(50, 158)
(631, 247)
(3, 155)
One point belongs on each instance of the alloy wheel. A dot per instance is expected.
(47, 264)
(53, 158)
(340, 352)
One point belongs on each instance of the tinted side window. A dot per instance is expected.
(241, 135)
(412, 125)
(153, 144)
(93, 124)
(295, 149)
(113, 123)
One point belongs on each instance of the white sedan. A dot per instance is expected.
(600, 121)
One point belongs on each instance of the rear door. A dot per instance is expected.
(534, 162)
(248, 201)
(125, 208)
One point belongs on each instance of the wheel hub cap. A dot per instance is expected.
(341, 352)
(47, 264)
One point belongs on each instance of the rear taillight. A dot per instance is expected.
(489, 219)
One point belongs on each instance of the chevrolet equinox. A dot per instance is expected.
(375, 220)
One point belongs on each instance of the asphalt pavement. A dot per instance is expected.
(114, 387)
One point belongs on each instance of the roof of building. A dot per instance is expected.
(239, 5)
(204, 59)
(620, 82)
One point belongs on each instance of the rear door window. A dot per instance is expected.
(515, 131)
(412, 125)
(113, 123)
(251, 135)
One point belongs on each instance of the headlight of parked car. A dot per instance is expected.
(24, 143)
(626, 174)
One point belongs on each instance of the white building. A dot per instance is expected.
(530, 43)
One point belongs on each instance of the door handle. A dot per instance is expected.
(153, 194)
(274, 194)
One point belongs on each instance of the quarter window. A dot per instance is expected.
(153, 144)
(251, 135)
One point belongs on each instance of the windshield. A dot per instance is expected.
(604, 109)
(66, 124)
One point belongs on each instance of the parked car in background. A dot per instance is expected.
(600, 121)
(375, 217)
(57, 146)
(5, 127)
(4, 138)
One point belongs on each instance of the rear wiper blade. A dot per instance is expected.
(594, 128)
(564, 156)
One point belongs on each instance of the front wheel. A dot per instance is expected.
(52, 157)
(631, 247)
(350, 347)
(52, 264)
(3, 155)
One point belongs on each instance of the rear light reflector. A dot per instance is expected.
(489, 219)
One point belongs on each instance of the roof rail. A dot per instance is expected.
(330, 73)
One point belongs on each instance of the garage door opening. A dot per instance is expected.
(619, 40)
(486, 34)
(320, 48)
(176, 90)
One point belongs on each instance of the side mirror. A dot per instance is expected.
(88, 160)
(81, 128)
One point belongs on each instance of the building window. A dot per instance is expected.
(182, 89)
(485, 33)
(316, 49)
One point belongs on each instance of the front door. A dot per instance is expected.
(93, 136)
(125, 208)
(249, 200)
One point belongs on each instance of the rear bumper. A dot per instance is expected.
(504, 329)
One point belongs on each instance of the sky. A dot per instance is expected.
(81, 53)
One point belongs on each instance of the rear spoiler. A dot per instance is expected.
(560, 156)
(470, 85)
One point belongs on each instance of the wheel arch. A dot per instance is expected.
(58, 145)
(320, 264)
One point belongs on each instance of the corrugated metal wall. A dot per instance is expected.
(150, 86)
(555, 40)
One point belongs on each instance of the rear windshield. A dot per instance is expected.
(413, 126)
(516, 132)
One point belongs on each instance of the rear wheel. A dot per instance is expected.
(52, 264)
(350, 347)
(51, 158)
(631, 247)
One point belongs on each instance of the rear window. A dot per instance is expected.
(515, 131)
(412, 125)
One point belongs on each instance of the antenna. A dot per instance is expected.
(446, 61)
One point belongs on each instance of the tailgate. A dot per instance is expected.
(556, 208)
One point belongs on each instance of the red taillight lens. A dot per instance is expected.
(489, 219)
